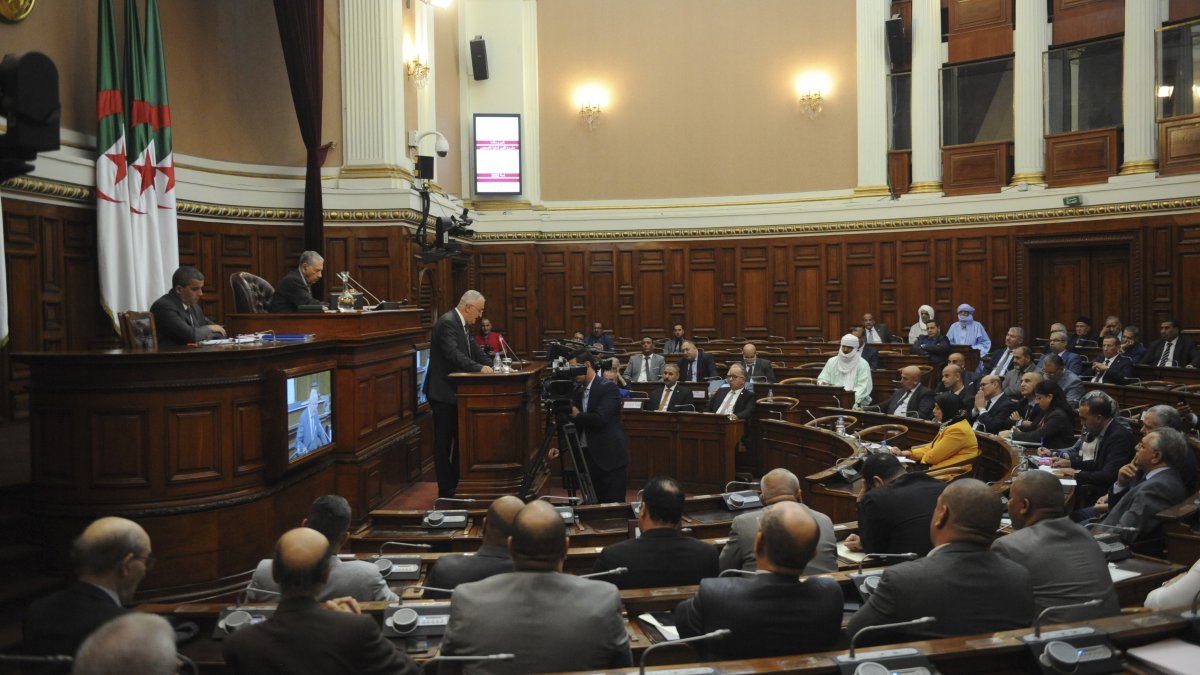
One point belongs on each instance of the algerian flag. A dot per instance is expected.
(160, 123)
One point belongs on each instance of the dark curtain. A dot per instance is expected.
(301, 32)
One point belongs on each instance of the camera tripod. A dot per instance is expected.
(560, 426)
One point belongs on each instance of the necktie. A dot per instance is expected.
(1100, 375)
(666, 397)
(903, 399)
(727, 404)
(749, 370)
(1166, 355)
(692, 368)
(1002, 367)
(646, 369)
(988, 406)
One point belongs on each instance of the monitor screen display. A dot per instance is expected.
(309, 413)
(497, 154)
(422, 368)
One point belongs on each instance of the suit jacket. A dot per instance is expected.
(604, 342)
(769, 614)
(302, 637)
(1053, 430)
(895, 518)
(1072, 386)
(451, 570)
(1115, 450)
(936, 348)
(1141, 500)
(600, 424)
(762, 368)
(967, 588)
(706, 368)
(1074, 362)
(1180, 357)
(1065, 566)
(660, 557)
(1073, 340)
(1012, 379)
(178, 326)
(673, 346)
(994, 358)
(738, 552)
(358, 579)
(553, 622)
(871, 356)
(310, 433)
(920, 401)
(61, 621)
(1119, 371)
(680, 395)
(996, 418)
(743, 407)
(637, 363)
(451, 351)
(1136, 352)
(291, 292)
(885, 336)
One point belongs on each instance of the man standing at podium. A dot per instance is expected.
(453, 351)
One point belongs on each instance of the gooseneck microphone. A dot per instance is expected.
(732, 572)
(719, 634)
(401, 543)
(1037, 623)
(606, 573)
(481, 657)
(456, 500)
(740, 482)
(435, 589)
(888, 626)
(886, 556)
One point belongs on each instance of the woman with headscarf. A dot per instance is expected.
(925, 312)
(968, 331)
(955, 441)
(848, 370)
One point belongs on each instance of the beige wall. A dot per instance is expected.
(228, 86)
(446, 76)
(703, 98)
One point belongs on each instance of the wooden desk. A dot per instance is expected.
(695, 448)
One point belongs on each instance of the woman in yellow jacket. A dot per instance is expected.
(955, 441)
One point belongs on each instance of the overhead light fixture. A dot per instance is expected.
(418, 71)
(811, 90)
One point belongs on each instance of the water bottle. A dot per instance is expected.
(883, 448)
(840, 428)
(496, 362)
(771, 392)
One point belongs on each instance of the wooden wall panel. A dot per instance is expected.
(1082, 157)
(1181, 10)
(1079, 20)
(980, 29)
(1179, 145)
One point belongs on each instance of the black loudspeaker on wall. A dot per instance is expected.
(479, 58)
(896, 46)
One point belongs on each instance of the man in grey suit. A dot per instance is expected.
(647, 366)
(552, 621)
(1064, 562)
(1055, 370)
(965, 587)
(778, 486)
(1150, 483)
(1022, 364)
(358, 579)
(757, 369)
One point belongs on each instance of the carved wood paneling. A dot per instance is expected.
(980, 29)
(977, 168)
(1079, 20)
(900, 170)
(1182, 10)
(1082, 157)
(1179, 145)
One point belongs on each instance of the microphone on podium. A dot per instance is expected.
(886, 556)
(719, 634)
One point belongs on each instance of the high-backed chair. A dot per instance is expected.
(251, 294)
(883, 432)
(830, 422)
(138, 330)
(798, 380)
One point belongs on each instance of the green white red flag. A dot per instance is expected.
(159, 110)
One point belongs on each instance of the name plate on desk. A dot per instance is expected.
(631, 404)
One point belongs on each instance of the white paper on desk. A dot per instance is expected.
(1119, 574)
(1068, 482)
(1170, 656)
(846, 554)
(907, 460)
(669, 632)
(1005, 522)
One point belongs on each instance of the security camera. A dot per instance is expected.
(441, 147)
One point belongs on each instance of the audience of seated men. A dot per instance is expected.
(1112, 326)
(1054, 370)
(955, 442)
(330, 515)
(1055, 427)
(294, 290)
(1083, 332)
(954, 382)
(1111, 366)
(734, 400)
(110, 558)
(661, 555)
(647, 366)
(777, 486)
(1105, 446)
(552, 622)
(992, 410)
(773, 612)
(932, 344)
(672, 395)
(1000, 360)
(964, 586)
(492, 557)
(1171, 350)
(911, 398)
(1131, 344)
(1058, 347)
(1022, 363)
(867, 352)
(304, 635)
(138, 643)
(696, 365)
(1150, 483)
(894, 508)
(1162, 415)
(178, 318)
(758, 369)
(1064, 562)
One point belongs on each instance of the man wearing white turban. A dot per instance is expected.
(968, 331)
(848, 370)
(925, 313)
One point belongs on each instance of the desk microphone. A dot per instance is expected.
(1037, 623)
(570, 500)
(456, 500)
(809, 413)
(401, 543)
(719, 634)
(606, 573)
(886, 556)
(510, 351)
(739, 482)
(1117, 528)
(244, 597)
(481, 657)
(888, 626)
(435, 589)
(730, 572)
(353, 283)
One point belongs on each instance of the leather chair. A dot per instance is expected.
(138, 330)
(251, 294)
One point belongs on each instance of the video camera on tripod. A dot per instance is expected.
(557, 395)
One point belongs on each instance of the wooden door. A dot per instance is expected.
(1068, 282)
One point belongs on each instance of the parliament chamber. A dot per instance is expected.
(1035, 161)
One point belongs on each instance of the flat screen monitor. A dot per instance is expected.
(309, 413)
(422, 369)
(497, 154)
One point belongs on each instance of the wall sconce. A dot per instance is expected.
(591, 100)
(590, 112)
(811, 89)
(418, 71)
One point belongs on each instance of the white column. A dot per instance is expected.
(871, 41)
(1141, 129)
(926, 101)
(373, 144)
(423, 46)
(1030, 37)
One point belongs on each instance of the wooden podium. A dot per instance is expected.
(500, 427)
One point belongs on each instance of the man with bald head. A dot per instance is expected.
(911, 398)
(304, 635)
(492, 557)
(1064, 563)
(134, 643)
(110, 557)
(552, 621)
(992, 408)
(774, 612)
(954, 381)
(757, 368)
(778, 486)
(964, 586)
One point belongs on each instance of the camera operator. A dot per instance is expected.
(596, 411)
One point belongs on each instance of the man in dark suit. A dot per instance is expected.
(777, 486)
(1150, 483)
(911, 398)
(992, 410)
(598, 340)
(178, 319)
(757, 369)
(1000, 360)
(733, 400)
(1083, 331)
(453, 350)
(1105, 446)
(1058, 346)
(964, 586)
(932, 344)
(295, 288)
(875, 333)
(304, 636)
(772, 613)
(675, 394)
(868, 353)
(1171, 350)
(1022, 363)
(596, 410)
(954, 381)
(894, 508)
(491, 559)
(674, 344)
(111, 556)
(696, 366)
(1064, 563)
(1111, 367)
(661, 556)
